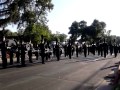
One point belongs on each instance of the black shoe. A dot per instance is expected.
(23, 65)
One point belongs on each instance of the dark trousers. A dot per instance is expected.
(4, 59)
(98, 52)
(22, 59)
(85, 53)
(42, 56)
(105, 54)
(58, 56)
(101, 53)
(93, 52)
(65, 53)
(18, 57)
(36, 54)
(69, 55)
(30, 56)
(11, 57)
(115, 54)
(76, 53)
(111, 52)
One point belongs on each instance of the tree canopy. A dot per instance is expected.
(90, 33)
(24, 12)
(34, 32)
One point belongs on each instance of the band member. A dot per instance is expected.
(111, 48)
(115, 50)
(65, 49)
(23, 48)
(11, 54)
(69, 49)
(93, 48)
(3, 52)
(77, 50)
(36, 53)
(42, 49)
(47, 51)
(105, 48)
(85, 49)
(18, 53)
(57, 49)
(30, 53)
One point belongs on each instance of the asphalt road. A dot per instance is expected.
(67, 74)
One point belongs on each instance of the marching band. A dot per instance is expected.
(46, 50)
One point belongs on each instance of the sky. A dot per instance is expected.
(67, 11)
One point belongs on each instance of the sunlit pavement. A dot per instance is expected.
(67, 74)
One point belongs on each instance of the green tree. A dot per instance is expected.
(53, 37)
(62, 37)
(10, 33)
(97, 30)
(74, 29)
(35, 31)
(91, 33)
(23, 12)
(82, 30)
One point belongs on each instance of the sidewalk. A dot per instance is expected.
(106, 83)
(105, 86)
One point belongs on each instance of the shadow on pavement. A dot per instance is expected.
(105, 87)
(109, 67)
(84, 87)
(36, 62)
(109, 78)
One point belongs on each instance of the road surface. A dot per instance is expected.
(67, 74)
